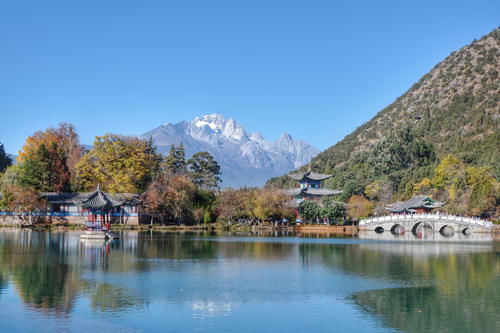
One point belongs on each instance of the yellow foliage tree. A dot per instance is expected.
(423, 187)
(372, 190)
(359, 207)
(446, 171)
(484, 189)
(118, 164)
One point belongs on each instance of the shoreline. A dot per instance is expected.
(348, 230)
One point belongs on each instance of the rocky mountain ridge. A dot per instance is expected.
(246, 159)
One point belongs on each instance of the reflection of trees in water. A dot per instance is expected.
(3, 282)
(108, 298)
(428, 309)
(462, 291)
(48, 278)
(36, 263)
(170, 245)
(47, 272)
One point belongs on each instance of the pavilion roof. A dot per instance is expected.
(96, 199)
(309, 175)
(419, 201)
(311, 191)
(321, 191)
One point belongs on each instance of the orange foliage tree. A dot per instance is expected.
(358, 207)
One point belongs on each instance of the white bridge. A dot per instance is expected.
(398, 224)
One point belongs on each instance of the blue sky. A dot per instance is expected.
(315, 69)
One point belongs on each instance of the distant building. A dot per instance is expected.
(310, 187)
(417, 204)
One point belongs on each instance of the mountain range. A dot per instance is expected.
(246, 159)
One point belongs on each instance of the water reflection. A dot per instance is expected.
(427, 235)
(437, 285)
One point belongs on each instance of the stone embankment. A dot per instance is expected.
(328, 229)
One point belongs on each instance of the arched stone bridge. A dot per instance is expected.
(446, 224)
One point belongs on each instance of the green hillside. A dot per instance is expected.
(449, 118)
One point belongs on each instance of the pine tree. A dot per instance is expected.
(204, 170)
(5, 160)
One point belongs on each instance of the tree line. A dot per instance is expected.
(173, 189)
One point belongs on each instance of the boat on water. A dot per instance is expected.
(94, 235)
(99, 235)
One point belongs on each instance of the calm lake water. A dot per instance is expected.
(178, 282)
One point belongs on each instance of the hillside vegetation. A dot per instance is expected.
(441, 137)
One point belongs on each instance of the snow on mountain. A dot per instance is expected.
(245, 159)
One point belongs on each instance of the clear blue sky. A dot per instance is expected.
(315, 69)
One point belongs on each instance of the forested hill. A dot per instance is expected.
(452, 110)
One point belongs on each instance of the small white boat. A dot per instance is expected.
(94, 235)
(112, 235)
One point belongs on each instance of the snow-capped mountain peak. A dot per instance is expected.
(245, 159)
(217, 123)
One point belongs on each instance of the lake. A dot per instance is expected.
(208, 282)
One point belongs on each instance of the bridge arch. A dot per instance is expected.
(467, 231)
(447, 230)
(417, 227)
(379, 230)
(397, 229)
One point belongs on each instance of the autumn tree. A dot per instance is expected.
(372, 190)
(229, 206)
(271, 204)
(154, 199)
(359, 207)
(47, 158)
(25, 202)
(180, 196)
(118, 163)
(447, 170)
(204, 170)
(484, 190)
(170, 196)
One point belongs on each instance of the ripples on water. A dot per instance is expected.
(246, 283)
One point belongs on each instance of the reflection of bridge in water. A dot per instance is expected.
(423, 225)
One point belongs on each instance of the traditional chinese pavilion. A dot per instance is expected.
(310, 186)
(99, 206)
(417, 204)
(93, 207)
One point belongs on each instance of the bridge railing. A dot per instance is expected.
(445, 217)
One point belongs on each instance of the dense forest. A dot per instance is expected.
(440, 138)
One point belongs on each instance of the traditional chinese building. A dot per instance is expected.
(417, 204)
(96, 206)
(310, 187)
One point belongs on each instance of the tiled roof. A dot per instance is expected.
(419, 201)
(321, 191)
(310, 175)
(96, 199)
(311, 191)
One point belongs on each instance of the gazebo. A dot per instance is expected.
(99, 206)
(310, 186)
